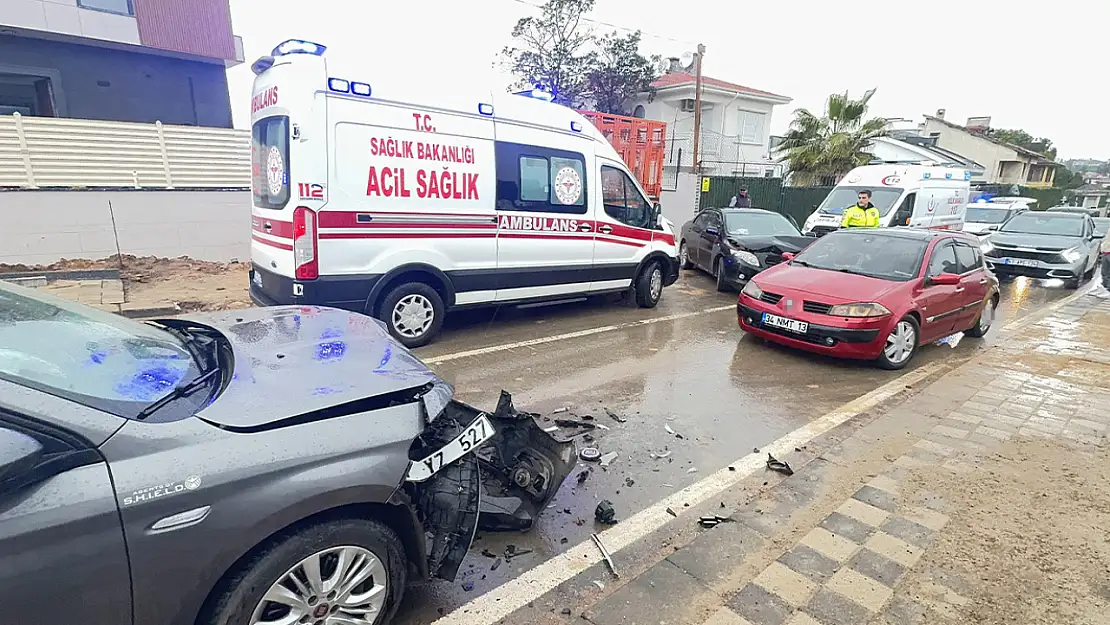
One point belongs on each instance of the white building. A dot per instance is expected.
(735, 124)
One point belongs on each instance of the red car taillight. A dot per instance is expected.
(305, 265)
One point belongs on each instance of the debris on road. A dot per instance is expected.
(583, 476)
(468, 586)
(605, 513)
(629, 481)
(512, 552)
(778, 466)
(660, 456)
(571, 423)
(489, 554)
(605, 554)
(692, 470)
(608, 458)
(561, 410)
(713, 520)
(614, 416)
(671, 512)
(755, 450)
(589, 454)
(566, 611)
(599, 585)
(496, 564)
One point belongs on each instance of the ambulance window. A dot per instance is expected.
(533, 178)
(623, 200)
(270, 162)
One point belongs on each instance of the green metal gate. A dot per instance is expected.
(766, 193)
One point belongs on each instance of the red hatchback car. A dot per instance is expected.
(875, 294)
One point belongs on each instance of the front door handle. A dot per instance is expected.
(959, 289)
(584, 228)
(984, 281)
(605, 229)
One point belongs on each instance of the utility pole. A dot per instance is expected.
(697, 110)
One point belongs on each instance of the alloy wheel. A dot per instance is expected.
(344, 585)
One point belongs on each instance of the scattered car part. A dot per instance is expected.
(600, 585)
(713, 520)
(667, 427)
(605, 513)
(608, 458)
(571, 423)
(671, 512)
(778, 466)
(614, 416)
(605, 554)
(590, 454)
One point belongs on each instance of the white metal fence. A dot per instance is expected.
(54, 153)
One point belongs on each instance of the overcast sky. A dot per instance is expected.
(1038, 65)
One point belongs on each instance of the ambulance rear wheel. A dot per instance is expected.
(649, 286)
(413, 312)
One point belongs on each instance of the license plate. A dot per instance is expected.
(256, 277)
(793, 325)
(1020, 262)
(473, 437)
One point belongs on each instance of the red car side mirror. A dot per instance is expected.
(947, 279)
(787, 257)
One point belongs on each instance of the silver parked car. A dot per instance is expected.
(265, 466)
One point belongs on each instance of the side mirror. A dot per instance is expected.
(993, 228)
(787, 257)
(945, 279)
(657, 215)
(18, 453)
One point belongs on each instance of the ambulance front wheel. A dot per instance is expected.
(649, 286)
(413, 312)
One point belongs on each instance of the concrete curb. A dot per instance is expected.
(147, 311)
(77, 274)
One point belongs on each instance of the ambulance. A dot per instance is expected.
(920, 196)
(404, 208)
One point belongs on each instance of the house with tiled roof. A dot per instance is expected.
(735, 123)
(1003, 163)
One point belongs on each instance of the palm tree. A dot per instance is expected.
(819, 150)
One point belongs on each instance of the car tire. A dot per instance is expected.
(401, 309)
(987, 315)
(244, 591)
(684, 256)
(719, 273)
(893, 360)
(649, 286)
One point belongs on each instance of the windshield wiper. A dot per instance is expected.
(801, 262)
(177, 393)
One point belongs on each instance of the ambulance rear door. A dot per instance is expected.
(288, 167)
(412, 183)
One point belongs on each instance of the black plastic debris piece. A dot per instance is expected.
(755, 450)
(732, 468)
(512, 552)
(778, 466)
(566, 611)
(605, 513)
(671, 512)
(614, 416)
(629, 481)
(586, 417)
(587, 437)
(496, 564)
(566, 510)
(468, 587)
(713, 520)
(489, 554)
(571, 423)
(563, 541)
(583, 476)
(580, 522)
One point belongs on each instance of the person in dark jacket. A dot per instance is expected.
(741, 201)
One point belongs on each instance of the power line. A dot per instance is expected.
(618, 26)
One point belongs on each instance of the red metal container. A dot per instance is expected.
(640, 142)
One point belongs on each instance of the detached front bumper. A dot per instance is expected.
(856, 343)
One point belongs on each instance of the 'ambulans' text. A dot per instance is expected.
(537, 224)
(265, 99)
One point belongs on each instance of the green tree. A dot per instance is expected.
(1025, 140)
(553, 51)
(618, 72)
(821, 149)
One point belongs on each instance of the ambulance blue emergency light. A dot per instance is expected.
(298, 46)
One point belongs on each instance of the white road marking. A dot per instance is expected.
(435, 360)
(515, 594)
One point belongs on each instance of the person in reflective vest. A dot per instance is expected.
(862, 214)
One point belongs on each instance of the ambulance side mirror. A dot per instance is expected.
(657, 215)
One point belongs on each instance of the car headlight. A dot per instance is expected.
(868, 309)
(746, 257)
(986, 246)
(1072, 255)
(752, 290)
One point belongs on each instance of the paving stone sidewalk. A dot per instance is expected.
(836, 546)
(110, 296)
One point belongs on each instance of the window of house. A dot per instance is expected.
(531, 178)
(121, 7)
(26, 95)
(750, 126)
(623, 200)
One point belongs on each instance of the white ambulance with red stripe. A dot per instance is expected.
(371, 202)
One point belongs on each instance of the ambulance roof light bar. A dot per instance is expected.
(538, 94)
(298, 46)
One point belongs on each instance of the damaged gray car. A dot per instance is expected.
(258, 467)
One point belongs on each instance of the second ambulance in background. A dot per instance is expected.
(919, 196)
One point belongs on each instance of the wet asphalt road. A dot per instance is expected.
(722, 391)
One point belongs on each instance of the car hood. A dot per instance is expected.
(293, 360)
(833, 287)
(1039, 241)
(771, 244)
(977, 228)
